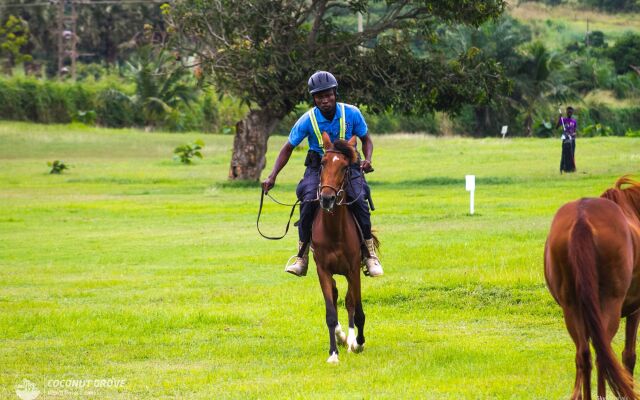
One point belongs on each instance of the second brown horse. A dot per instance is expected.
(592, 268)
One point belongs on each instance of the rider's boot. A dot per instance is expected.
(300, 265)
(373, 267)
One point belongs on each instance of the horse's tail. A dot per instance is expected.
(376, 242)
(582, 257)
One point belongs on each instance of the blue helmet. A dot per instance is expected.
(321, 81)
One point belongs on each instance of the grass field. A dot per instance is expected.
(132, 267)
(560, 25)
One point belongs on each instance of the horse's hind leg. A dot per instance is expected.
(631, 335)
(331, 316)
(341, 337)
(576, 329)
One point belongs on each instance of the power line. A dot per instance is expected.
(84, 2)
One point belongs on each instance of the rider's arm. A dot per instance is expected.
(281, 161)
(367, 149)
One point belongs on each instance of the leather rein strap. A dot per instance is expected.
(293, 208)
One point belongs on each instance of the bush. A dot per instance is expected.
(632, 133)
(390, 123)
(30, 99)
(618, 120)
(596, 130)
(186, 152)
(114, 109)
(625, 52)
(627, 85)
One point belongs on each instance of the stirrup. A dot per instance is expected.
(302, 271)
(365, 267)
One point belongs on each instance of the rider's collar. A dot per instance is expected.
(337, 114)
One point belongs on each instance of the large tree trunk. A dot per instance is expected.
(250, 145)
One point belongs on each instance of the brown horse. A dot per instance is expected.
(592, 268)
(336, 245)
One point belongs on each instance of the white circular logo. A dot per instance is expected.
(27, 390)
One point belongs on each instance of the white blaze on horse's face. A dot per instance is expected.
(334, 166)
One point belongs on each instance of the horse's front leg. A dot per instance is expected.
(356, 315)
(326, 284)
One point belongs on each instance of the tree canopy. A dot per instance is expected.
(264, 51)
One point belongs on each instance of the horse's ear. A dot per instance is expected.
(352, 141)
(326, 141)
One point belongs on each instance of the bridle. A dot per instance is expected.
(340, 192)
(337, 191)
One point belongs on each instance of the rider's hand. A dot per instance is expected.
(267, 184)
(366, 166)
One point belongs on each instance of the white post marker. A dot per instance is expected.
(504, 130)
(471, 188)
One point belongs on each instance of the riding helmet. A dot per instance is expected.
(322, 80)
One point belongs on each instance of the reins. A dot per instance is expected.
(346, 181)
(293, 207)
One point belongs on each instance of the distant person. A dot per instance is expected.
(569, 127)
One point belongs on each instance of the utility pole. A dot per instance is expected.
(67, 38)
(587, 39)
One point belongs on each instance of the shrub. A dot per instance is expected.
(57, 166)
(187, 151)
(596, 130)
(114, 109)
(632, 133)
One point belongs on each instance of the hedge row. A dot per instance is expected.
(45, 101)
(108, 103)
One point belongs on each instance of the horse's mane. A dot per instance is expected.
(628, 197)
(346, 149)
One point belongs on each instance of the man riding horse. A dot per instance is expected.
(339, 121)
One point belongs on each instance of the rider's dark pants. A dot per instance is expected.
(308, 190)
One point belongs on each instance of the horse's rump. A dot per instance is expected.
(588, 269)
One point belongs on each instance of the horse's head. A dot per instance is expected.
(335, 166)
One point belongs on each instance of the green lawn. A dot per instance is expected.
(130, 266)
(561, 25)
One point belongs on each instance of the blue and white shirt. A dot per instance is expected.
(303, 128)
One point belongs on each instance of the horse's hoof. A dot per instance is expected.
(333, 359)
(341, 337)
(356, 348)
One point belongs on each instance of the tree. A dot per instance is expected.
(500, 41)
(14, 34)
(107, 31)
(162, 85)
(264, 51)
(625, 52)
(540, 82)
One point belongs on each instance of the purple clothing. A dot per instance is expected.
(569, 125)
